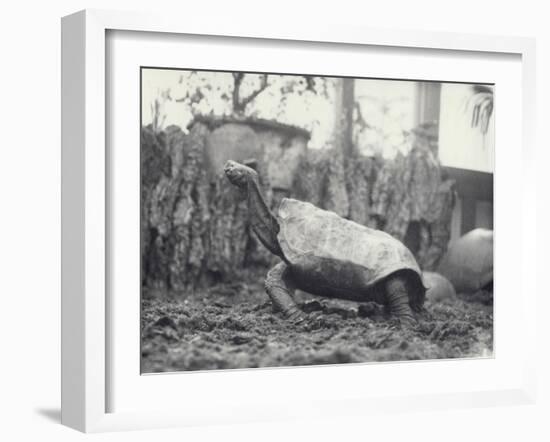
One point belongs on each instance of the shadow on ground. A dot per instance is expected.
(51, 414)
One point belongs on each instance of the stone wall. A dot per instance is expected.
(279, 147)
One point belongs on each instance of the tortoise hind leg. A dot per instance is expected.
(398, 299)
(280, 288)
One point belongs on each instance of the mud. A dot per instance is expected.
(233, 326)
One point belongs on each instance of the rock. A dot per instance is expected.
(439, 287)
(230, 141)
(346, 313)
(165, 321)
(366, 310)
(241, 339)
(311, 306)
(468, 263)
(164, 327)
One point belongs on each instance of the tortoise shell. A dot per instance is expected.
(308, 233)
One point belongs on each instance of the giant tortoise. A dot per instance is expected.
(326, 255)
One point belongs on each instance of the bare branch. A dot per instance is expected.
(263, 85)
(237, 80)
(360, 119)
(310, 83)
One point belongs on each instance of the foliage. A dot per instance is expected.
(481, 105)
(413, 202)
(299, 100)
(157, 109)
(381, 122)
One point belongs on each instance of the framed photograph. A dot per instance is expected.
(264, 223)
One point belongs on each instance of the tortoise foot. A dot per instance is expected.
(405, 322)
(296, 316)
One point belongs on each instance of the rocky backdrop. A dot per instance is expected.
(194, 226)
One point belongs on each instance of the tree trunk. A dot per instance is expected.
(337, 195)
(344, 103)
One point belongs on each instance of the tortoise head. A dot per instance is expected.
(239, 174)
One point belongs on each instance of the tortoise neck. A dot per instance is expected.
(263, 222)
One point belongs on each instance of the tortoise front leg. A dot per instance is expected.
(398, 299)
(280, 288)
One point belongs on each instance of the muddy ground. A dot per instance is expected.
(233, 326)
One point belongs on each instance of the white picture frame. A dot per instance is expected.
(85, 233)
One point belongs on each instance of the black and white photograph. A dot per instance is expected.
(243, 221)
(302, 219)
